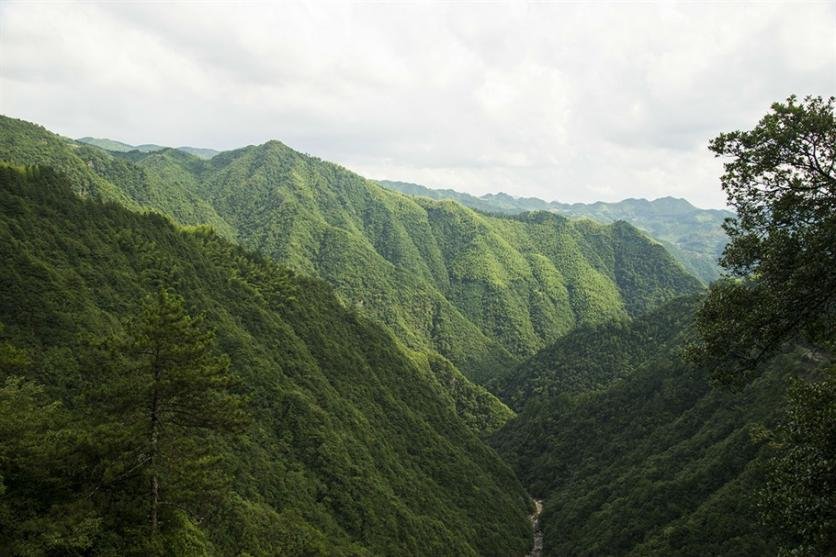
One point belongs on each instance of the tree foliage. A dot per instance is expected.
(781, 285)
(165, 400)
(781, 292)
(797, 499)
(352, 446)
(634, 452)
(482, 291)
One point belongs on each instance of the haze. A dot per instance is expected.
(565, 102)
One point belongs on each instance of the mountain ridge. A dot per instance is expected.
(483, 291)
(697, 242)
(121, 147)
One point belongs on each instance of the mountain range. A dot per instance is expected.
(119, 147)
(414, 364)
(693, 236)
(353, 445)
(483, 291)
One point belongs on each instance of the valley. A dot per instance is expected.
(386, 369)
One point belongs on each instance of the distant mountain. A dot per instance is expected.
(119, 147)
(482, 291)
(693, 236)
(199, 152)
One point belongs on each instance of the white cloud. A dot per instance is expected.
(574, 102)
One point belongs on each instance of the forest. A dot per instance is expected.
(258, 352)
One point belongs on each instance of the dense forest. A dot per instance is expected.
(704, 426)
(634, 452)
(482, 291)
(695, 237)
(310, 432)
(257, 352)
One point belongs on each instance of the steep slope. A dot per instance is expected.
(483, 291)
(633, 451)
(355, 448)
(95, 173)
(432, 271)
(593, 357)
(693, 236)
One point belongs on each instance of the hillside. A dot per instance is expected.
(633, 451)
(693, 236)
(353, 446)
(593, 357)
(483, 291)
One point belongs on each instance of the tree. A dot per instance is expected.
(781, 268)
(797, 500)
(169, 405)
(41, 468)
(779, 292)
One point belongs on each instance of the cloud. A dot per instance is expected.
(574, 102)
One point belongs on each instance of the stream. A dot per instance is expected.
(537, 546)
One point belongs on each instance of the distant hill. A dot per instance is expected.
(693, 236)
(119, 147)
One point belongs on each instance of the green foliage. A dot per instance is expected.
(797, 499)
(781, 292)
(164, 400)
(693, 236)
(633, 451)
(780, 179)
(42, 505)
(353, 446)
(482, 291)
(592, 357)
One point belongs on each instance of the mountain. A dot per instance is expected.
(693, 236)
(119, 147)
(593, 357)
(483, 291)
(631, 448)
(353, 445)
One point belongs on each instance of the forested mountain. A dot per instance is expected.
(119, 147)
(347, 444)
(593, 357)
(634, 452)
(693, 236)
(483, 291)
(260, 354)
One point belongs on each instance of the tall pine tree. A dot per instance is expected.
(169, 406)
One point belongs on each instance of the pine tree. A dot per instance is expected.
(170, 405)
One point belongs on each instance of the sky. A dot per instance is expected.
(574, 102)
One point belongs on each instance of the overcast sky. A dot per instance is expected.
(563, 101)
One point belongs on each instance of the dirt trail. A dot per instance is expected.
(537, 547)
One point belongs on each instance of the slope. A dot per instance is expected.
(354, 447)
(482, 291)
(693, 236)
(95, 173)
(633, 451)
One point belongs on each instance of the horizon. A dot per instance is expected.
(439, 188)
(579, 103)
